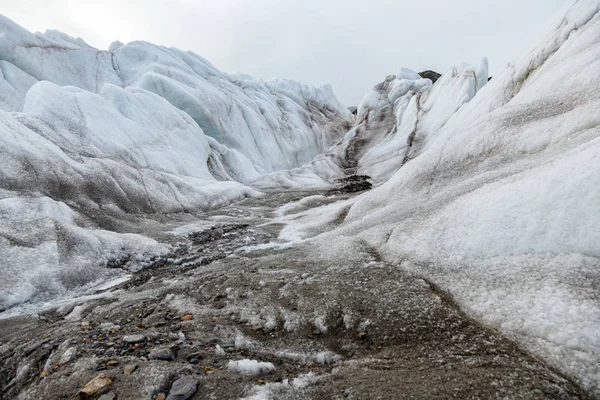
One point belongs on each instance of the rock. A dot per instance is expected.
(68, 356)
(160, 396)
(194, 361)
(96, 385)
(183, 388)
(33, 347)
(108, 396)
(196, 354)
(187, 317)
(162, 353)
(130, 369)
(431, 75)
(131, 339)
(355, 183)
(257, 327)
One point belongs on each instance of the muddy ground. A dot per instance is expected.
(333, 327)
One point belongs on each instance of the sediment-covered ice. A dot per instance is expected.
(496, 197)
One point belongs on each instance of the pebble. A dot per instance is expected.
(257, 327)
(68, 355)
(183, 388)
(130, 369)
(162, 353)
(134, 339)
(187, 317)
(96, 385)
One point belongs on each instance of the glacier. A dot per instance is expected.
(489, 190)
(139, 129)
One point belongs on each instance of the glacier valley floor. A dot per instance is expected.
(245, 311)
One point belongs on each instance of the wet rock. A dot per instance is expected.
(132, 339)
(187, 317)
(96, 385)
(196, 354)
(354, 183)
(183, 388)
(130, 369)
(162, 353)
(431, 75)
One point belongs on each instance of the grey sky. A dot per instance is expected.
(351, 44)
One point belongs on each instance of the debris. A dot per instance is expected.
(130, 369)
(96, 385)
(162, 353)
(68, 355)
(183, 388)
(187, 317)
(131, 339)
(257, 327)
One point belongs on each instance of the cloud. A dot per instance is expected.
(351, 44)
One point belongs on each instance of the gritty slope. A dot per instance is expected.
(270, 322)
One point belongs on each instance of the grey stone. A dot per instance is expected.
(162, 353)
(183, 388)
(131, 339)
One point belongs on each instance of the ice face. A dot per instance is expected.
(136, 129)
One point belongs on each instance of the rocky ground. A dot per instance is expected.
(236, 313)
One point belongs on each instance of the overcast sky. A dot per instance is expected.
(352, 44)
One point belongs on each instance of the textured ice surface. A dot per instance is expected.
(138, 129)
(498, 199)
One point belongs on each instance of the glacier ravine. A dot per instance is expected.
(486, 191)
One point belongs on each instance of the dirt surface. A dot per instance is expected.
(333, 327)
